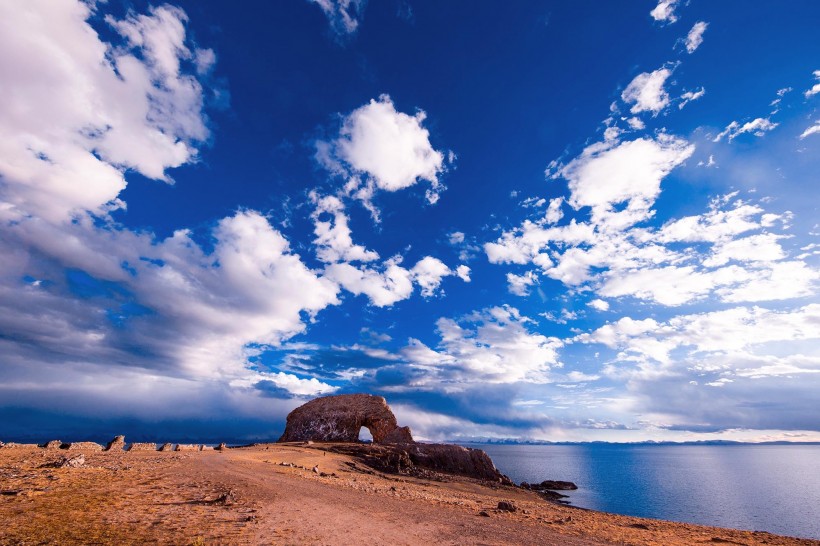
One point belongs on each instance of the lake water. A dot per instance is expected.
(771, 488)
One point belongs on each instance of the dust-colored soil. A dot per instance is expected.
(270, 494)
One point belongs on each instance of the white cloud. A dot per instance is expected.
(381, 148)
(695, 36)
(520, 284)
(815, 89)
(334, 242)
(599, 304)
(665, 11)
(689, 96)
(646, 93)
(492, 346)
(343, 15)
(814, 129)
(117, 107)
(758, 127)
(463, 273)
(428, 273)
(629, 172)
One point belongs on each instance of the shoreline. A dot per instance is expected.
(292, 494)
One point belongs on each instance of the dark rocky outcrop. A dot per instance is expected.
(117, 444)
(339, 419)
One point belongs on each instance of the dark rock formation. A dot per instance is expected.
(556, 485)
(142, 446)
(117, 444)
(85, 446)
(425, 460)
(339, 419)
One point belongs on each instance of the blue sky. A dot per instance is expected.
(557, 221)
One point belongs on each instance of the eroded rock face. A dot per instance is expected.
(117, 444)
(339, 419)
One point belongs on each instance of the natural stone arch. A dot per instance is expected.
(339, 419)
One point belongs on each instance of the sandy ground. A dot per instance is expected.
(270, 494)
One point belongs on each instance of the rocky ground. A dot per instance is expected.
(294, 494)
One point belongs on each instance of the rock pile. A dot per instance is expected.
(53, 444)
(85, 446)
(117, 444)
(142, 446)
(188, 447)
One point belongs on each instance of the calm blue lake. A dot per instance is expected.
(754, 487)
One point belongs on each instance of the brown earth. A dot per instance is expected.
(296, 494)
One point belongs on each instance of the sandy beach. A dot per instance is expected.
(294, 494)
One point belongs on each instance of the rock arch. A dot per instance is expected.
(339, 418)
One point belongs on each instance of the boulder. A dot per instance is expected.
(167, 447)
(85, 446)
(142, 446)
(117, 444)
(506, 506)
(53, 444)
(339, 419)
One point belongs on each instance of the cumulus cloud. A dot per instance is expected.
(664, 12)
(334, 241)
(520, 285)
(379, 148)
(758, 127)
(695, 36)
(125, 106)
(646, 92)
(343, 15)
(88, 293)
(493, 345)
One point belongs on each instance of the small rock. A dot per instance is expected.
(316, 469)
(72, 462)
(484, 514)
(639, 526)
(507, 506)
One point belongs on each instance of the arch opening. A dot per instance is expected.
(365, 435)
